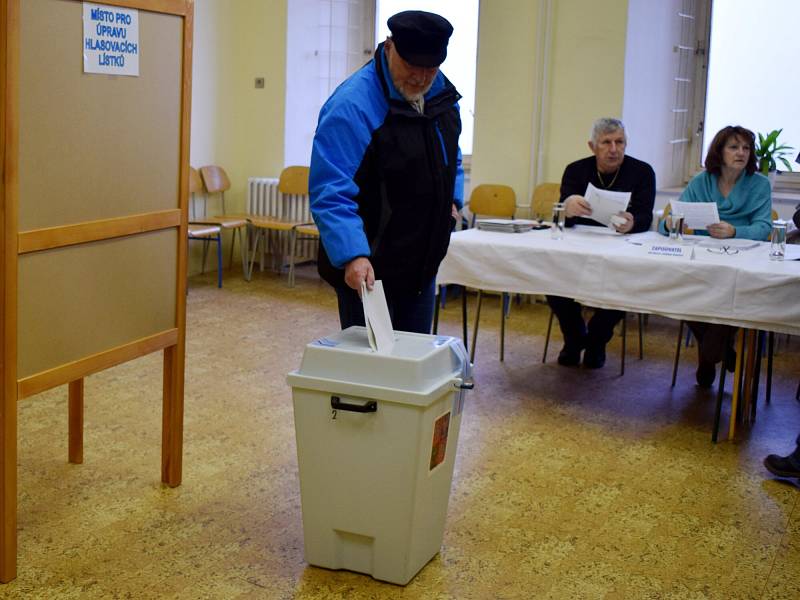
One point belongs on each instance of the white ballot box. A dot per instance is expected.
(376, 444)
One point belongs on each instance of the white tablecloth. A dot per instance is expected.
(601, 268)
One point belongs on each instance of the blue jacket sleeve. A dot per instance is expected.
(342, 136)
(458, 190)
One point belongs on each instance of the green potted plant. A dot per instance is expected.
(768, 152)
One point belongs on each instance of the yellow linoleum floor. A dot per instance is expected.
(568, 483)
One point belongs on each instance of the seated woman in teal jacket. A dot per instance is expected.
(744, 202)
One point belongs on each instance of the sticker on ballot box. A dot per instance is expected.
(441, 427)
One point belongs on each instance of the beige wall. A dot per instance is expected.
(505, 94)
(234, 124)
(586, 76)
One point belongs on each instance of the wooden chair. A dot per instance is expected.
(208, 234)
(500, 201)
(216, 181)
(293, 181)
(545, 195)
(200, 231)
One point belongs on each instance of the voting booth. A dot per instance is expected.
(376, 444)
(94, 135)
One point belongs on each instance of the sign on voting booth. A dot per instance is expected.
(110, 40)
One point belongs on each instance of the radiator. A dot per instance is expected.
(264, 199)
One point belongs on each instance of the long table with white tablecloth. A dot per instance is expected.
(720, 281)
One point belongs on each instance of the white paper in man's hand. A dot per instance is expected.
(606, 204)
(696, 215)
(376, 317)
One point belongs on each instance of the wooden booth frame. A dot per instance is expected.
(18, 244)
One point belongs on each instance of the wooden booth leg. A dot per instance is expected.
(172, 419)
(8, 494)
(76, 421)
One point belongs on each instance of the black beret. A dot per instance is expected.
(420, 37)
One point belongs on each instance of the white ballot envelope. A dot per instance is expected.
(376, 317)
(606, 204)
(696, 215)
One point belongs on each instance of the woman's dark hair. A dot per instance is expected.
(714, 157)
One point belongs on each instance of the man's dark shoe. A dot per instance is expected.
(570, 356)
(594, 358)
(706, 373)
(784, 466)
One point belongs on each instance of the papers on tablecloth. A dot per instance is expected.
(506, 225)
(792, 252)
(606, 204)
(594, 230)
(377, 319)
(696, 215)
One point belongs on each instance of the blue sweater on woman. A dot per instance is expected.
(748, 206)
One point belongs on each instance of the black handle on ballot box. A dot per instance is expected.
(337, 404)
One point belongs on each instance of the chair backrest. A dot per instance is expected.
(493, 200)
(195, 181)
(294, 180)
(215, 178)
(195, 187)
(544, 197)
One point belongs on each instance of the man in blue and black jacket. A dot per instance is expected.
(386, 181)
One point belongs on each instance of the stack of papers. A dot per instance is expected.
(506, 225)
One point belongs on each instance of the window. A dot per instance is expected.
(750, 78)
(462, 50)
(327, 40)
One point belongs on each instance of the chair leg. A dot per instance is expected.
(720, 392)
(292, 248)
(677, 353)
(718, 412)
(770, 354)
(475, 329)
(464, 316)
(443, 295)
(244, 248)
(641, 336)
(547, 337)
(206, 242)
(436, 311)
(233, 243)
(504, 298)
(624, 339)
(756, 374)
(219, 259)
(258, 237)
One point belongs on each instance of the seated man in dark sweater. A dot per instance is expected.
(607, 169)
